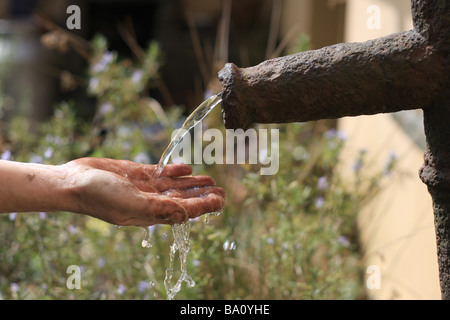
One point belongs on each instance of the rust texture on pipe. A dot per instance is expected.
(432, 20)
(435, 173)
(394, 73)
(408, 70)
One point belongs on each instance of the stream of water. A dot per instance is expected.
(198, 115)
(181, 231)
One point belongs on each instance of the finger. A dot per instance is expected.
(173, 170)
(170, 170)
(165, 184)
(144, 222)
(195, 192)
(195, 207)
(166, 210)
(163, 208)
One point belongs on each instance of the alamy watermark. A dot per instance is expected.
(374, 19)
(74, 20)
(373, 281)
(74, 280)
(234, 147)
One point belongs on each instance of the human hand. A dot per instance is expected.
(125, 193)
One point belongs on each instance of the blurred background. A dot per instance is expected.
(347, 196)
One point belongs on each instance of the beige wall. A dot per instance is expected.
(397, 229)
(296, 19)
(321, 20)
(395, 16)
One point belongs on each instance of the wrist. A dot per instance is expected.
(65, 187)
(29, 187)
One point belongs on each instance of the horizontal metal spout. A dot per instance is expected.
(378, 76)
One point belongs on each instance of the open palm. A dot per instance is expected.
(125, 193)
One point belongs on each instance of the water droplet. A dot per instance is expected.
(208, 215)
(229, 246)
(146, 244)
(146, 241)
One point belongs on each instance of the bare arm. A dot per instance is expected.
(33, 187)
(116, 191)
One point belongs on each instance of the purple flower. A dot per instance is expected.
(344, 241)
(48, 153)
(342, 135)
(14, 287)
(12, 216)
(322, 183)
(143, 285)
(121, 289)
(6, 155)
(339, 134)
(104, 62)
(42, 215)
(136, 77)
(72, 229)
(320, 202)
(106, 108)
(330, 133)
(36, 159)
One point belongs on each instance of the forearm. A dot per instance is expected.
(26, 187)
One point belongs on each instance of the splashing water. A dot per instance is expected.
(181, 231)
(181, 244)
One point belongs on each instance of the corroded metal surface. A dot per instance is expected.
(408, 70)
(435, 173)
(394, 73)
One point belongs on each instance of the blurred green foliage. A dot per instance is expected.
(288, 236)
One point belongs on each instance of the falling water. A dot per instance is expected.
(181, 231)
(181, 244)
(198, 115)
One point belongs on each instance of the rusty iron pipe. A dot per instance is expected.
(378, 76)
